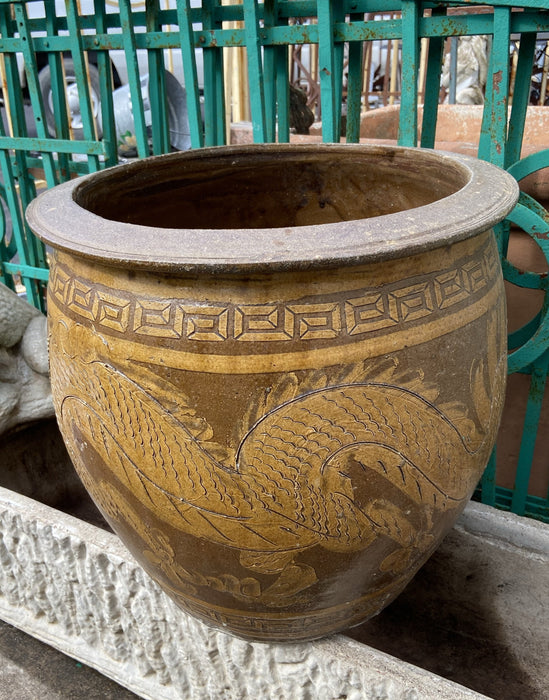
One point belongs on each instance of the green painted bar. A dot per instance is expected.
(50, 145)
(18, 167)
(521, 96)
(356, 31)
(31, 72)
(407, 131)
(493, 138)
(130, 49)
(19, 233)
(530, 164)
(327, 71)
(283, 94)
(298, 34)
(520, 336)
(106, 88)
(28, 271)
(58, 92)
(157, 87)
(255, 71)
(435, 57)
(270, 72)
(214, 93)
(31, 251)
(77, 52)
(186, 37)
(339, 47)
(354, 86)
(523, 278)
(536, 223)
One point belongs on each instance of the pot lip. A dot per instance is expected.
(487, 197)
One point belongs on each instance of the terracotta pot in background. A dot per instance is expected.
(279, 370)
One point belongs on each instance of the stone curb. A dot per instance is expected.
(75, 587)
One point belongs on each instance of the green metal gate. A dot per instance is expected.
(91, 33)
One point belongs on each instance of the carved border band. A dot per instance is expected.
(355, 313)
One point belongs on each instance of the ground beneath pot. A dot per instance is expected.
(477, 614)
(31, 670)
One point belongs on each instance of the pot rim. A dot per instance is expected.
(487, 197)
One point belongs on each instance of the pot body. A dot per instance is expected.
(281, 447)
(282, 454)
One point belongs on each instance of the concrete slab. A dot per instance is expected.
(478, 611)
(30, 669)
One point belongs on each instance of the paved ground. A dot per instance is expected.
(478, 614)
(30, 670)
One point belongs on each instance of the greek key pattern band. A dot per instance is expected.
(355, 313)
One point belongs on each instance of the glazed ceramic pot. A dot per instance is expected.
(279, 370)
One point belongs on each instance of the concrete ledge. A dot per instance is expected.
(75, 586)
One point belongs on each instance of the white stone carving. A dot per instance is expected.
(25, 391)
(77, 588)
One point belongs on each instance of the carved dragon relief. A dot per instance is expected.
(291, 482)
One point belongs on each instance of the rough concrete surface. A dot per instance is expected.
(477, 613)
(31, 670)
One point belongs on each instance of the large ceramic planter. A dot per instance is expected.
(279, 371)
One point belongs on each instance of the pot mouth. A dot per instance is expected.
(273, 206)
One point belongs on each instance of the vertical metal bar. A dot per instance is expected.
(60, 111)
(214, 89)
(452, 87)
(283, 94)
(521, 98)
(16, 117)
(186, 36)
(16, 173)
(327, 71)
(494, 129)
(255, 70)
(16, 113)
(31, 250)
(88, 126)
(407, 133)
(339, 50)
(493, 135)
(529, 433)
(19, 232)
(31, 72)
(157, 86)
(132, 65)
(435, 57)
(106, 88)
(484, 139)
(354, 85)
(270, 53)
(7, 250)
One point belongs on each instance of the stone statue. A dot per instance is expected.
(472, 67)
(25, 392)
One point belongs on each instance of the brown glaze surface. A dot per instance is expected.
(287, 190)
(282, 451)
(204, 212)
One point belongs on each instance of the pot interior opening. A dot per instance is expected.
(251, 189)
